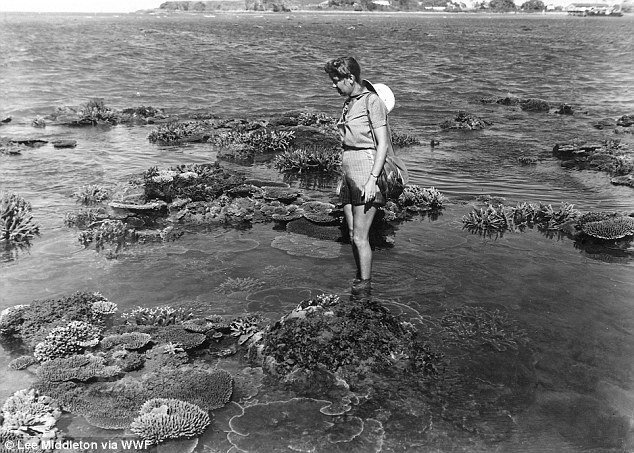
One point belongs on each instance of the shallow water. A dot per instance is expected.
(574, 302)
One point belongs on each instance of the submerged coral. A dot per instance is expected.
(127, 340)
(157, 316)
(65, 341)
(16, 220)
(611, 228)
(23, 362)
(82, 367)
(162, 419)
(28, 414)
(300, 245)
(240, 284)
(208, 389)
(91, 194)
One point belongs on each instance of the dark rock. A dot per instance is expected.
(604, 123)
(534, 105)
(509, 101)
(565, 109)
(6, 120)
(31, 142)
(64, 143)
(627, 180)
(625, 121)
(465, 121)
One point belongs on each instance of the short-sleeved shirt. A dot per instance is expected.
(353, 125)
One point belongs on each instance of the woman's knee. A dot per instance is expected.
(359, 238)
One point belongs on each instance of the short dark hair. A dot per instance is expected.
(342, 68)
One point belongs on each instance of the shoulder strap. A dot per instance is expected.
(390, 146)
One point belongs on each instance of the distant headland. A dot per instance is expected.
(581, 7)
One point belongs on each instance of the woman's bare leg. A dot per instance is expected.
(362, 217)
(347, 212)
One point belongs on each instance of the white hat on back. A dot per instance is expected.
(384, 92)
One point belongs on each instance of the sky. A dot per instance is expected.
(80, 6)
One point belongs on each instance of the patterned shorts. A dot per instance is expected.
(356, 166)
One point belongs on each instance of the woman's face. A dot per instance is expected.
(344, 86)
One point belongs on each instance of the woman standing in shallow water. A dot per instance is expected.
(364, 135)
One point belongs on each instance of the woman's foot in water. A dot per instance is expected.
(360, 285)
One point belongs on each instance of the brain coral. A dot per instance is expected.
(161, 419)
(612, 228)
(209, 389)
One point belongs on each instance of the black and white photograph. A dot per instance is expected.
(317, 226)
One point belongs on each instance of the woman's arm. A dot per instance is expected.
(382, 140)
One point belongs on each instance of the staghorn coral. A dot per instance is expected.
(16, 220)
(27, 413)
(403, 139)
(176, 133)
(23, 362)
(95, 112)
(82, 367)
(162, 419)
(127, 340)
(315, 158)
(419, 198)
(106, 232)
(65, 341)
(610, 229)
(157, 316)
(501, 217)
(478, 326)
(245, 327)
(269, 141)
(84, 218)
(91, 194)
(208, 389)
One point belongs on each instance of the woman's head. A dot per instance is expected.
(343, 68)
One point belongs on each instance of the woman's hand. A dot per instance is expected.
(369, 190)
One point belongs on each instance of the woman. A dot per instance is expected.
(364, 133)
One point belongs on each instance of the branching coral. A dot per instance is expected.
(240, 284)
(157, 316)
(176, 133)
(16, 220)
(312, 158)
(95, 112)
(162, 419)
(501, 217)
(209, 389)
(67, 340)
(83, 218)
(245, 327)
(177, 335)
(420, 198)
(103, 308)
(27, 413)
(82, 367)
(478, 326)
(91, 194)
(106, 232)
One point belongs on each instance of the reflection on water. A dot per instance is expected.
(573, 299)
